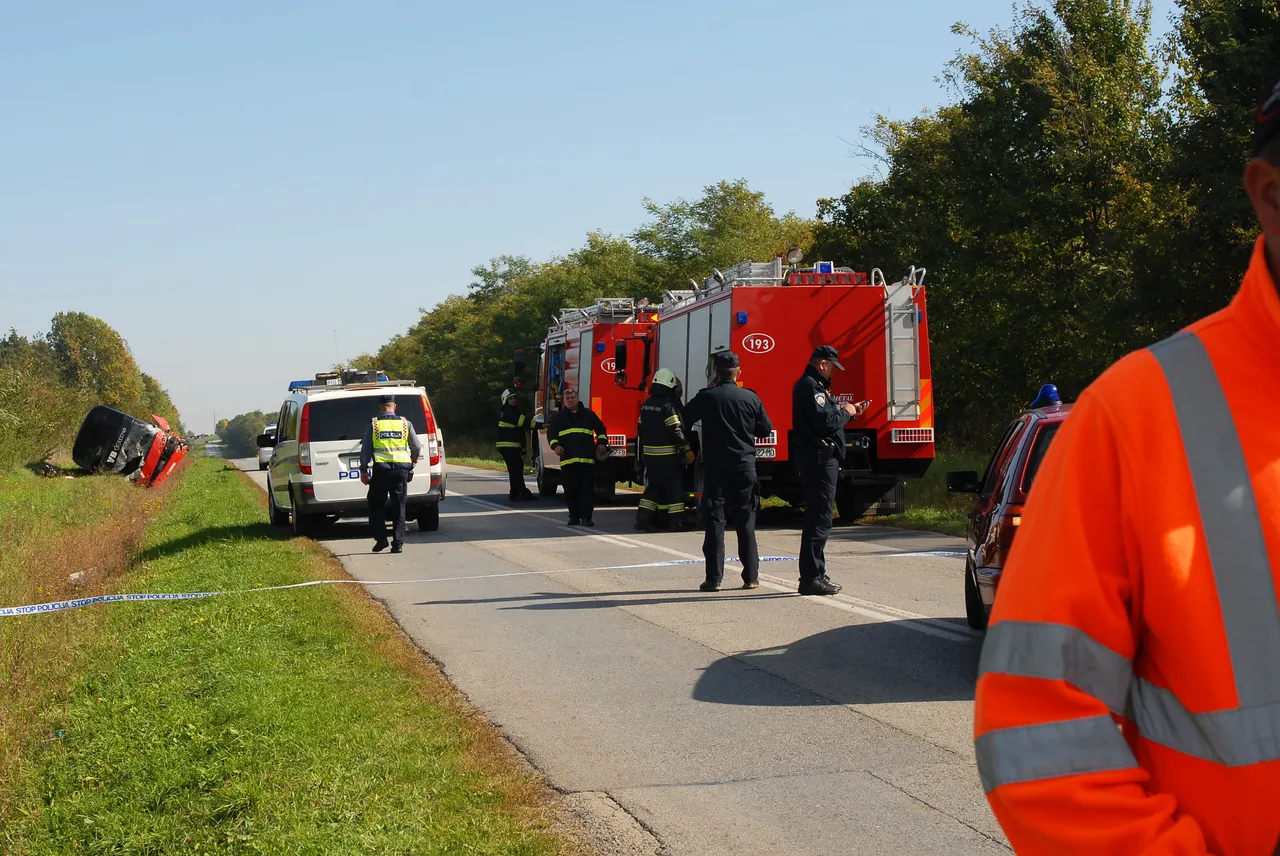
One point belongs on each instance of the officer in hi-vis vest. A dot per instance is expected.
(392, 447)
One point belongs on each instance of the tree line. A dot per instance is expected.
(48, 383)
(1077, 198)
(239, 434)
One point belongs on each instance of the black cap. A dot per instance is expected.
(826, 352)
(386, 399)
(725, 360)
(1267, 125)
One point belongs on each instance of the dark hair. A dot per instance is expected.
(726, 373)
(1271, 151)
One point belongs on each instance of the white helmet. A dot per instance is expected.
(665, 377)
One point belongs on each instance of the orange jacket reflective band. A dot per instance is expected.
(1128, 696)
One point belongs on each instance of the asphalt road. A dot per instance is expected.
(729, 723)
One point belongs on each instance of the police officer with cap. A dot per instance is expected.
(732, 418)
(513, 428)
(391, 446)
(665, 452)
(818, 422)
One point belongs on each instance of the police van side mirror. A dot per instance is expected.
(962, 481)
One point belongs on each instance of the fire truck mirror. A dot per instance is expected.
(620, 357)
(620, 379)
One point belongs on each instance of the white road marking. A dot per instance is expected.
(846, 603)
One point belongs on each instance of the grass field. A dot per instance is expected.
(298, 721)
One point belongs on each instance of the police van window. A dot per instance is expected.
(1041, 445)
(998, 456)
(346, 418)
(282, 423)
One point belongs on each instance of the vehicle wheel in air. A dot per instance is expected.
(429, 519)
(974, 612)
(279, 517)
(303, 524)
(548, 480)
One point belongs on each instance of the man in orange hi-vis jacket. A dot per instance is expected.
(1141, 595)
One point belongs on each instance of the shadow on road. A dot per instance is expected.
(875, 663)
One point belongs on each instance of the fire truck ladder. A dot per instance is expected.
(903, 341)
(605, 309)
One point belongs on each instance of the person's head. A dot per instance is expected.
(725, 367)
(1262, 176)
(388, 403)
(825, 360)
(509, 397)
(571, 398)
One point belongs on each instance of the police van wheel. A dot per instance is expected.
(429, 519)
(974, 612)
(303, 524)
(279, 517)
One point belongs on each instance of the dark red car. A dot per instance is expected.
(1001, 494)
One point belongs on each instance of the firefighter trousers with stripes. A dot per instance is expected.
(663, 491)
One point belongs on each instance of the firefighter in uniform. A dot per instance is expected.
(390, 447)
(1141, 593)
(578, 438)
(818, 422)
(732, 418)
(666, 452)
(512, 431)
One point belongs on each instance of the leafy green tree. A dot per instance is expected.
(93, 356)
(240, 436)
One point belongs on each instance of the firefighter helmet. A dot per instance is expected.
(507, 393)
(665, 377)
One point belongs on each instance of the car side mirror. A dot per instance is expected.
(962, 481)
(266, 440)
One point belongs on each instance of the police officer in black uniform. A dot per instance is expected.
(732, 418)
(665, 452)
(818, 422)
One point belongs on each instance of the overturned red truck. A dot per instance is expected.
(115, 442)
(773, 315)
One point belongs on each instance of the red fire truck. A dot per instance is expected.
(579, 352)
(773, 315)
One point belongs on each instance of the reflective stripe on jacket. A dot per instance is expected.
(391, 441)
(1140, 591)
(511, 428)
(659, 429)
(579, 432)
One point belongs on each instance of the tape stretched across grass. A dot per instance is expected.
(62, 605)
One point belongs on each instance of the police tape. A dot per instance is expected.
(78, 603)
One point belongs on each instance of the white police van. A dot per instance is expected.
(314, 474)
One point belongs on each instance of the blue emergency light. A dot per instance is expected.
(742, 318)
(299, 384)
(599, 347)
(1047, 397)
(824, 267)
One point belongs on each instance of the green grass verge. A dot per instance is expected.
(284, 722)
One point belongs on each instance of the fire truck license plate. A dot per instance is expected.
(766, 453)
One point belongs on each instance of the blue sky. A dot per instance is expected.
(228, 184)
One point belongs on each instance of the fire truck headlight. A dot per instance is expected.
(795, 255)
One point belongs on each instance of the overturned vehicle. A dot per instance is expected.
(114, 442)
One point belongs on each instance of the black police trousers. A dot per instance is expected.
(663, 490)
(515, 471)
(818, 479)
(735, 496)
(579, 482)
(386, 482)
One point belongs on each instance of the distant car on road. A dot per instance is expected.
(1001, 494)
(265, 452)
(314, 473)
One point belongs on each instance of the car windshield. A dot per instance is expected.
(346, 418)
(1043, 438)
